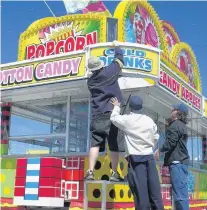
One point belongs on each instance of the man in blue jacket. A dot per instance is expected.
(103, 85)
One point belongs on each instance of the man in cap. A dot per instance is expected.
(140, 139)
(103, 85)
(176, 155)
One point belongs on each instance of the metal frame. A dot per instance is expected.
(66, 135)
(67, 131)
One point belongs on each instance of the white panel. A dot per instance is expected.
(33, 166)
(32, 178)
(43, 201)
(129, 82)
(31, 191)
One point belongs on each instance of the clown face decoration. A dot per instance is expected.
(185, 65)
(139, 27)
(190, 75)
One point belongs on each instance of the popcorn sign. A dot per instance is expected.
(180, 90)
(71, 44)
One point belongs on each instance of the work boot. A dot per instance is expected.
(115, 177)
(89, 176)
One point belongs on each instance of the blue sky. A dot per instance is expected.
(188, 18)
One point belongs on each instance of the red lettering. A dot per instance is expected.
(70, 44)
(183, 93)
(174, 84)
(178, 88)
(59, 47)
(40, 51)
(164, 79)
(187, 94)
(91, 38)
(169, 82)
(50, 47)
(161, 77)
(191, 97)
(195, 100)
(31, 51)
(80, 42)
(199, 103)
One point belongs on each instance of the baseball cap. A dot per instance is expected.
(182, 107)
(135, 102)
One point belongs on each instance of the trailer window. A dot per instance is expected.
(79, 125)
(38, 127)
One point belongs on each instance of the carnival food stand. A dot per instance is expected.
(45, 119)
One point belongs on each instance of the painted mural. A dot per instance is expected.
(60, 35)
(20, 178)
(186, 66)
(141, 24)
(171, 35)
(140, 27)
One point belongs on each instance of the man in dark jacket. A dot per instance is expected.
(103, 85)
(176, 155)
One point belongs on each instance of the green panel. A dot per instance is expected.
(203, 181)
(4, 149)
(7, 180)
(8, 163)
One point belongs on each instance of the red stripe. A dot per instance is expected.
(22, 162)
(49, 192)
(54, 162)
(81, 185)
(21, 172)
(6, 200)
(113, 205)
(4, 141)
(49, 182)
(6, 105)
(109, 205)
(74, 175)
(19, 191)
(50, 172)
(6, 113)
(20, 181)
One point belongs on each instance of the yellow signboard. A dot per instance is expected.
(54, 35)
(137, 59)
(43, 71)
(172, 83)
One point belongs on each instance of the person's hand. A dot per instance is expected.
(157, 155)
(115, 43)
(115, 102)
(89, 73)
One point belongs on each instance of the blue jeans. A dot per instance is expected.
(179, 181)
